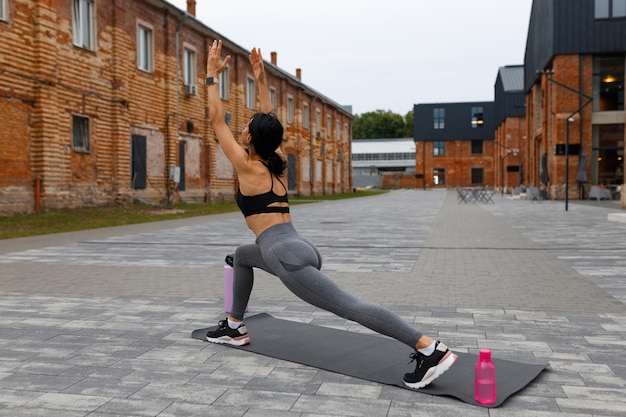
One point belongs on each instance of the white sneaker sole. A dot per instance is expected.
(240, 341)
(442, 367)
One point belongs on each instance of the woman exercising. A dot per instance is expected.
(279, 249)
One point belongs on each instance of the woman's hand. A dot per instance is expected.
(215, 65)
(256, 61)
(258, 68)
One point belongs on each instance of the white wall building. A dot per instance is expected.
(373, 158)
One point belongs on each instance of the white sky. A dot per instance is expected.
(385, 55)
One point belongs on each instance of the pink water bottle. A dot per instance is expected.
(228, 285)
(228, 288)
(485, 378)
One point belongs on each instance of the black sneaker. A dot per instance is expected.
(226, 335)
(429, 367)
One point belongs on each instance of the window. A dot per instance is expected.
(289, 109)
(602, 9)
(477, 117)
(189, 66)
(477, 147)
(477, 175)
(4, 10)
(439, 116)
(273, 97)
(392, 156)
(605, 9)
(305, 116)
(82, 23)
(346, 132)
(80, 133)
(438, 148)
(328, 126)
(224, 84)
(250, 101)
(337, 130)
(608, 82)
(145, 45)
(318, 122)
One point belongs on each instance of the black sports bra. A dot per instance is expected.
(261, 203)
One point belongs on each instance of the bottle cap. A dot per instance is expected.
(485, 354)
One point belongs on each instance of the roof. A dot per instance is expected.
(512, 77)
(401, 145)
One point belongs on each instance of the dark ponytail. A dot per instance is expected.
(267, 135)
(276, 164)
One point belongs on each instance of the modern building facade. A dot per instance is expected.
(104, 101)
(383, 163)
(454, 144)
(574, 71)
(557, 121)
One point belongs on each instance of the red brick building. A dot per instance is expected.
(510, 137)
(104, 101)
(454, 144)
(574, 83)
(557, 121)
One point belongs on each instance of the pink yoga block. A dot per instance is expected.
(228, 288)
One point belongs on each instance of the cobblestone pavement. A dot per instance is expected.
(98, 323)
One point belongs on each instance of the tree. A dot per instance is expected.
(380, 124)
(408, 122)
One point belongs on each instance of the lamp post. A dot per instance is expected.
(569, 119)
(502, 174)
(567, 122)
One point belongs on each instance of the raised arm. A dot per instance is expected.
(258, 68)
(214, 67)
(256, 60)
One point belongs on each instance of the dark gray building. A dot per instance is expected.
(562, 27)
(454, 121)
(509, 93)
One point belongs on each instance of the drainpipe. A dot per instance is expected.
(311, 146)
(37, 194)
(424, 164)
(311, 134)
(178, 28)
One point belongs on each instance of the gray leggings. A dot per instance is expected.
(282, 251)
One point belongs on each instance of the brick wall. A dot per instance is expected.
(457, 162)
(550, 105)
(509, 151)
(17, 181)
(51, 80)
(395, 180)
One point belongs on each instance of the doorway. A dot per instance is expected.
(607, 164)
(138, 167)
(439, 177)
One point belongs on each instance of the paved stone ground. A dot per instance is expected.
(98, 323)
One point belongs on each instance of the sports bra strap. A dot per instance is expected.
(262, 203)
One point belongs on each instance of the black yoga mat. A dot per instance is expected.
(372, 357)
